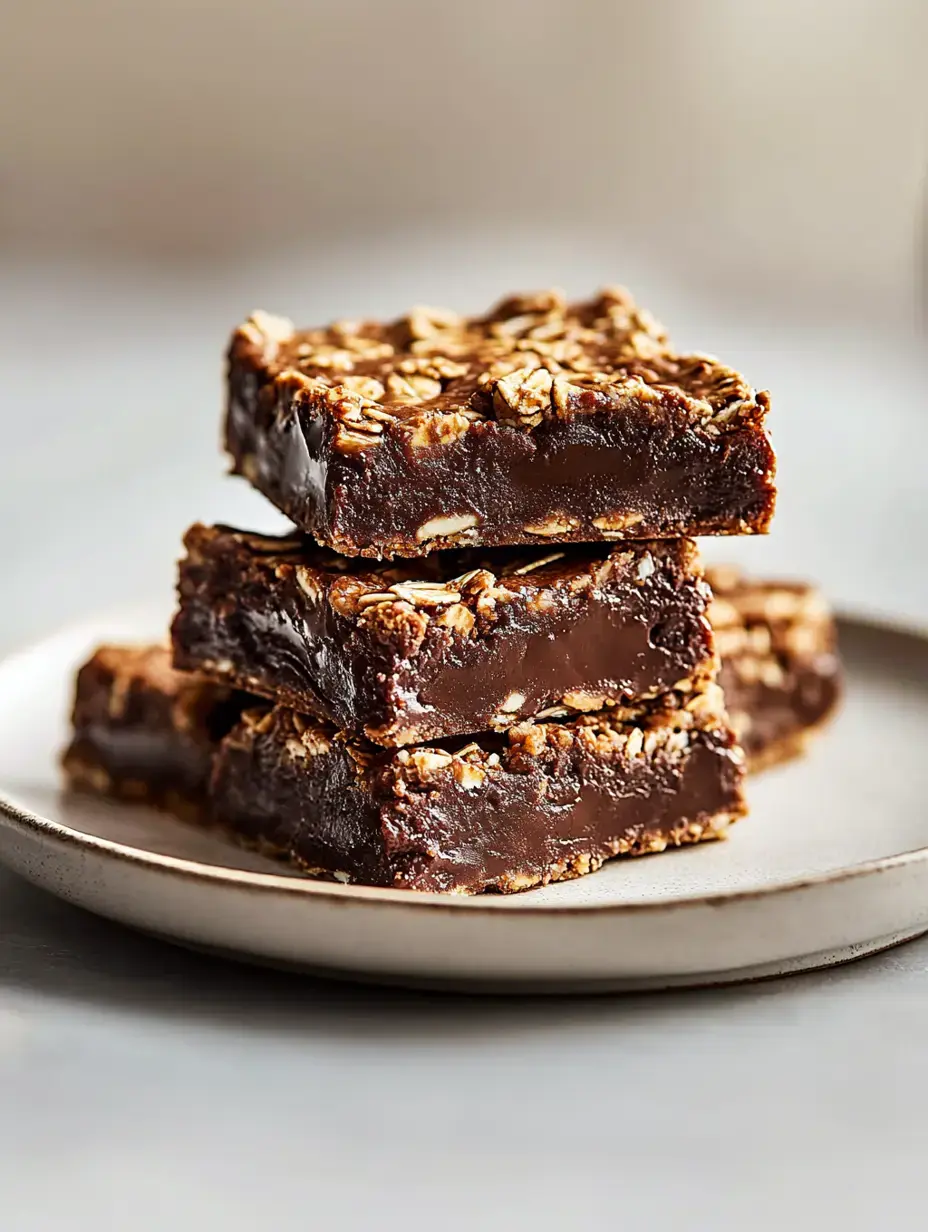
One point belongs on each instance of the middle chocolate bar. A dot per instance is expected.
(460, 642)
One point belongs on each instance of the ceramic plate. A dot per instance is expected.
(832, 863)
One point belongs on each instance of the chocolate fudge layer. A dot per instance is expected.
(780, 669)
(143, 731)
(543, 802)
(458, 642)
(540, 422)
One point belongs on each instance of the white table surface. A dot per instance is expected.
(144, 1088)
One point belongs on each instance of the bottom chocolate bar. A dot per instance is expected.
(780, 670)
(145, 732)
(544, 802)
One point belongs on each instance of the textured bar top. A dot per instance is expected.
(539, 421)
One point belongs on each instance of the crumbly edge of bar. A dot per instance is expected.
(431, 376)
(447, 533)
(651, 842)
(712, 828)
(402, 611)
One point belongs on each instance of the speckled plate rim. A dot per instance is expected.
(26, 821)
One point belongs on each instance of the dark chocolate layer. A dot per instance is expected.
(540, 422)
(461, 642)
(545, 802)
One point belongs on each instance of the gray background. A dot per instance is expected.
(755, 171)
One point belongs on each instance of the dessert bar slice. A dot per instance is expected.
(780, 669)
(539, 422)
(458, 642)
(543, 802)
(145, 732)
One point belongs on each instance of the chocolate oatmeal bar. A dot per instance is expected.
(780, 670)
(538, 423)
(458, 642)
(145, 732)
(543, 802)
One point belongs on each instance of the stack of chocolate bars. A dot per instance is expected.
(485, 658)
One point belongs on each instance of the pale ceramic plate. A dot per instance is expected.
(832, 863)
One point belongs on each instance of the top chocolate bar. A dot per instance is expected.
(541, 422)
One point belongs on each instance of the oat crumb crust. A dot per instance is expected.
(431, 375)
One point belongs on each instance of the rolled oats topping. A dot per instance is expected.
(556, 524)
(425, 594)
(531, 358)
(447, 526)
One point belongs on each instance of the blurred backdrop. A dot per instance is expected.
(754, 169)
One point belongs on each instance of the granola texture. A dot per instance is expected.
(457, 642)
(540, 421)
(780, 668)
(144, 732)
(543, 802)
